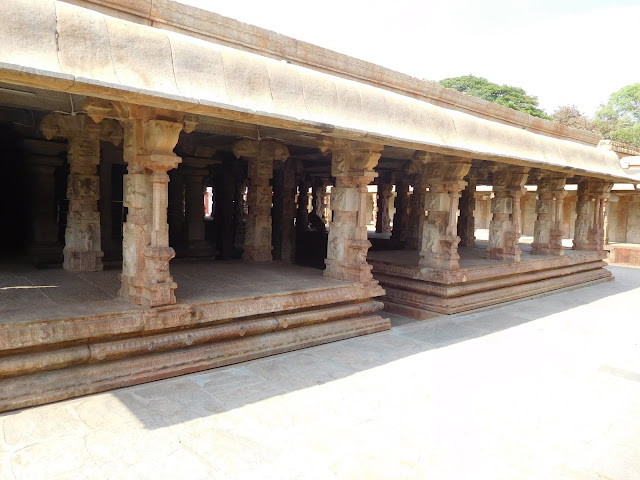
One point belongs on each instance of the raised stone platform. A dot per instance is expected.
(624, 253)
(417, 291)
(64, 335)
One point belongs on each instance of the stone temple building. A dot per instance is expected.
(134, 132)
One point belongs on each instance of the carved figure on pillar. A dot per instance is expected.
(150, 136)
(547, 232)
(320, 198)
(82, 250)
(352, 165)
(385, 193)
(439, 242)
(593, 194)
(505, 228)
(260, 154)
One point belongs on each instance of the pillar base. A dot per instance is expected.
(147, 293)
(82, 261)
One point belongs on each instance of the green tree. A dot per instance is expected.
(619, 119)
(570, 116)
(512, 97)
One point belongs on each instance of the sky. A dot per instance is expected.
(565, 52)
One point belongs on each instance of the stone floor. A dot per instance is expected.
(470, 257)
(29, 294)
(546, 388)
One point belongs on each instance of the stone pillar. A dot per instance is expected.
(352, 165)
(547, 230)
(150, 136)
(43, 239)
(302, 214)
(439, 242)
(505, 229)
(401, 217)
(105, 205)
(416, 202)
(284, 211)
(260, 154)
(466, 221)
(240, 209)
(592, 197)
(320, 198)
(197, 246)
(225, 179)
(176, 217)
(385, 192)
(82, 251)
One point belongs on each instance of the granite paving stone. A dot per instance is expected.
(546, 388)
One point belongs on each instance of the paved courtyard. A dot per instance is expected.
(547, 388)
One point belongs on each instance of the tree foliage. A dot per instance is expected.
(619, 119)
(570, 116)
(512, 97)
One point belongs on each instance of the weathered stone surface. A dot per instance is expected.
(479, 282)
(148, 73)
(352, 164)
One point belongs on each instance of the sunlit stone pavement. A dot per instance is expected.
(547, 388)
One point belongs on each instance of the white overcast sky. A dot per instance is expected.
(565, 52)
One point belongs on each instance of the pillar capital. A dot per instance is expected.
(350, 157)
(151, 133)
(70, 127)
(265, 148)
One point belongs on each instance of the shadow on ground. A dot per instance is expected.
(182, 399)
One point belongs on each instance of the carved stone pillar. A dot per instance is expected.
(320, 198)
(150, 136)
(260, 154)
(505, 229)
(197, 246)
(284, 211)
(547, 232)
(352, 165)
(385, 192)
(302, 214)
(439, 243)
(466, 221)
(401, 217)
(175, 212)
(416, 202)
(43, 239)
(593, 194)
(105, 205)
(82, 251)
(224, 214)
